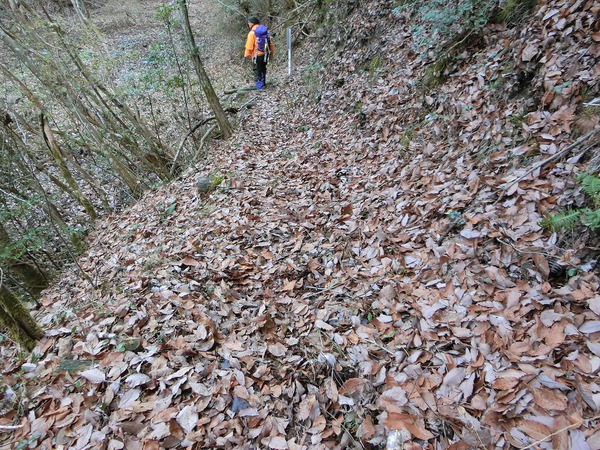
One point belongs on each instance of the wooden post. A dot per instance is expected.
(289, 48)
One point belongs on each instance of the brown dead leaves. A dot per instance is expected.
(309, 302)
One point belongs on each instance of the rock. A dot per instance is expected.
(131, 344)
(29, 367)
(75, 365)
(122, 311)
(65, 345)
(204, 185)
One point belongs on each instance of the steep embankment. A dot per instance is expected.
(320, 296)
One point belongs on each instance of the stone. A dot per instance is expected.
(75, 365)
(204, 185)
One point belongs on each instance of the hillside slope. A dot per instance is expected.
(370, 272)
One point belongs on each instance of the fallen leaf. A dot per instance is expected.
(530, 51)
(278, 443)
(548, 317)
(95, 376)
(323, 325)
(392, 400)
(137, 379)
(187, 418)
(590, 327)
(85, 434)
(399, 421)
(160, 431)
(367, 429)
(305, 409)
(470, 234)
(277, 349)
(331, 389)
(454, 377)
(548, 399)
(353, 386)
(129, 398)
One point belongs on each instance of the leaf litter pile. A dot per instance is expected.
(368, 271)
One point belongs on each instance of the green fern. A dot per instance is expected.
(591, 218)
(590, 184)
(560, 221)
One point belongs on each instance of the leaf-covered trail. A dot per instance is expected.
(310, 301)
(285, 308)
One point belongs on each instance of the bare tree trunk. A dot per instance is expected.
(66, 173)
(23, 159)
(157, 157)
(130, 179)
(17, 319)
(33, 277)
(211, 96)
(14, 330)
(82, 10)
(24, 89)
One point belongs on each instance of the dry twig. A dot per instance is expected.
(553, 157)
(573, 425)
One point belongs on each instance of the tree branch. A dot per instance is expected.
(553, 157)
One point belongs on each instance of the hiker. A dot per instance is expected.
(259, 47)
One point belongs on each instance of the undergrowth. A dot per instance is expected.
(442, 30)
(572, 217)
(444, 22)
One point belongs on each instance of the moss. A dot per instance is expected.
(435, 75)
(587, 106)
(216, 179)
(17, 320)
(407, 137)
(405, 141)
(517, 120)
(374, 67)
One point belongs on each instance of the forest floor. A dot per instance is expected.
(369, 271)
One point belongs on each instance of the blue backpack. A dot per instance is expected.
(262, 40)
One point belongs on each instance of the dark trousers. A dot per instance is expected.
(260, 72)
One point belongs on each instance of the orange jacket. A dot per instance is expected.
(251, 50)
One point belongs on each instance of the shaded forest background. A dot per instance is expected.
(83, 134)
